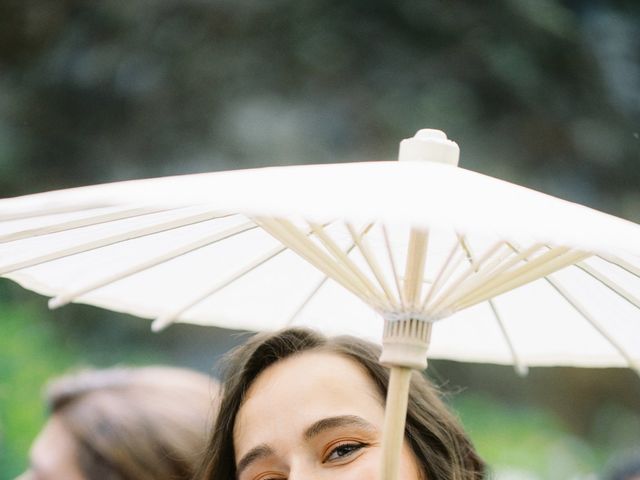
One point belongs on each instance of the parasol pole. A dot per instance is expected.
(395, 420)
(404, 350)
(407, 333)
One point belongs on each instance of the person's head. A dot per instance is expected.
(124, 424)
(297, 405)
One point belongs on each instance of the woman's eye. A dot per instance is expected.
(344, 450)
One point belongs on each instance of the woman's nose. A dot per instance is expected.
(303, 470)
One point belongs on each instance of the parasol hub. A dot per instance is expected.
(405, 342)
(429, 145)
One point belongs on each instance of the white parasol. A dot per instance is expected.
(521, 277)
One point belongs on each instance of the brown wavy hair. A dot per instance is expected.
(442, 448)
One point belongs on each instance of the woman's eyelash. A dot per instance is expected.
(344, 450)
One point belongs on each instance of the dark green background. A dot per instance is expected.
(544, 93)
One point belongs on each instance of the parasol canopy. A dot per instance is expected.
(188, 248)
(520, 277)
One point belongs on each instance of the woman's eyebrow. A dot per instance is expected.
(253, 455)
(336, 422)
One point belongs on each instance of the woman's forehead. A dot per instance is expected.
(293, 393)
(304, 372)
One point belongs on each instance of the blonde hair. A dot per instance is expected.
(147, 423)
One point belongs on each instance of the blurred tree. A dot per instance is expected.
(543, 92)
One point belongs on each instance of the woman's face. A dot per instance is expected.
(53, 454)
(313, 416)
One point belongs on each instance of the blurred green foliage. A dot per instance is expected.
(30, 353)
(544, 92)
(515, 438)
(525, 439)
